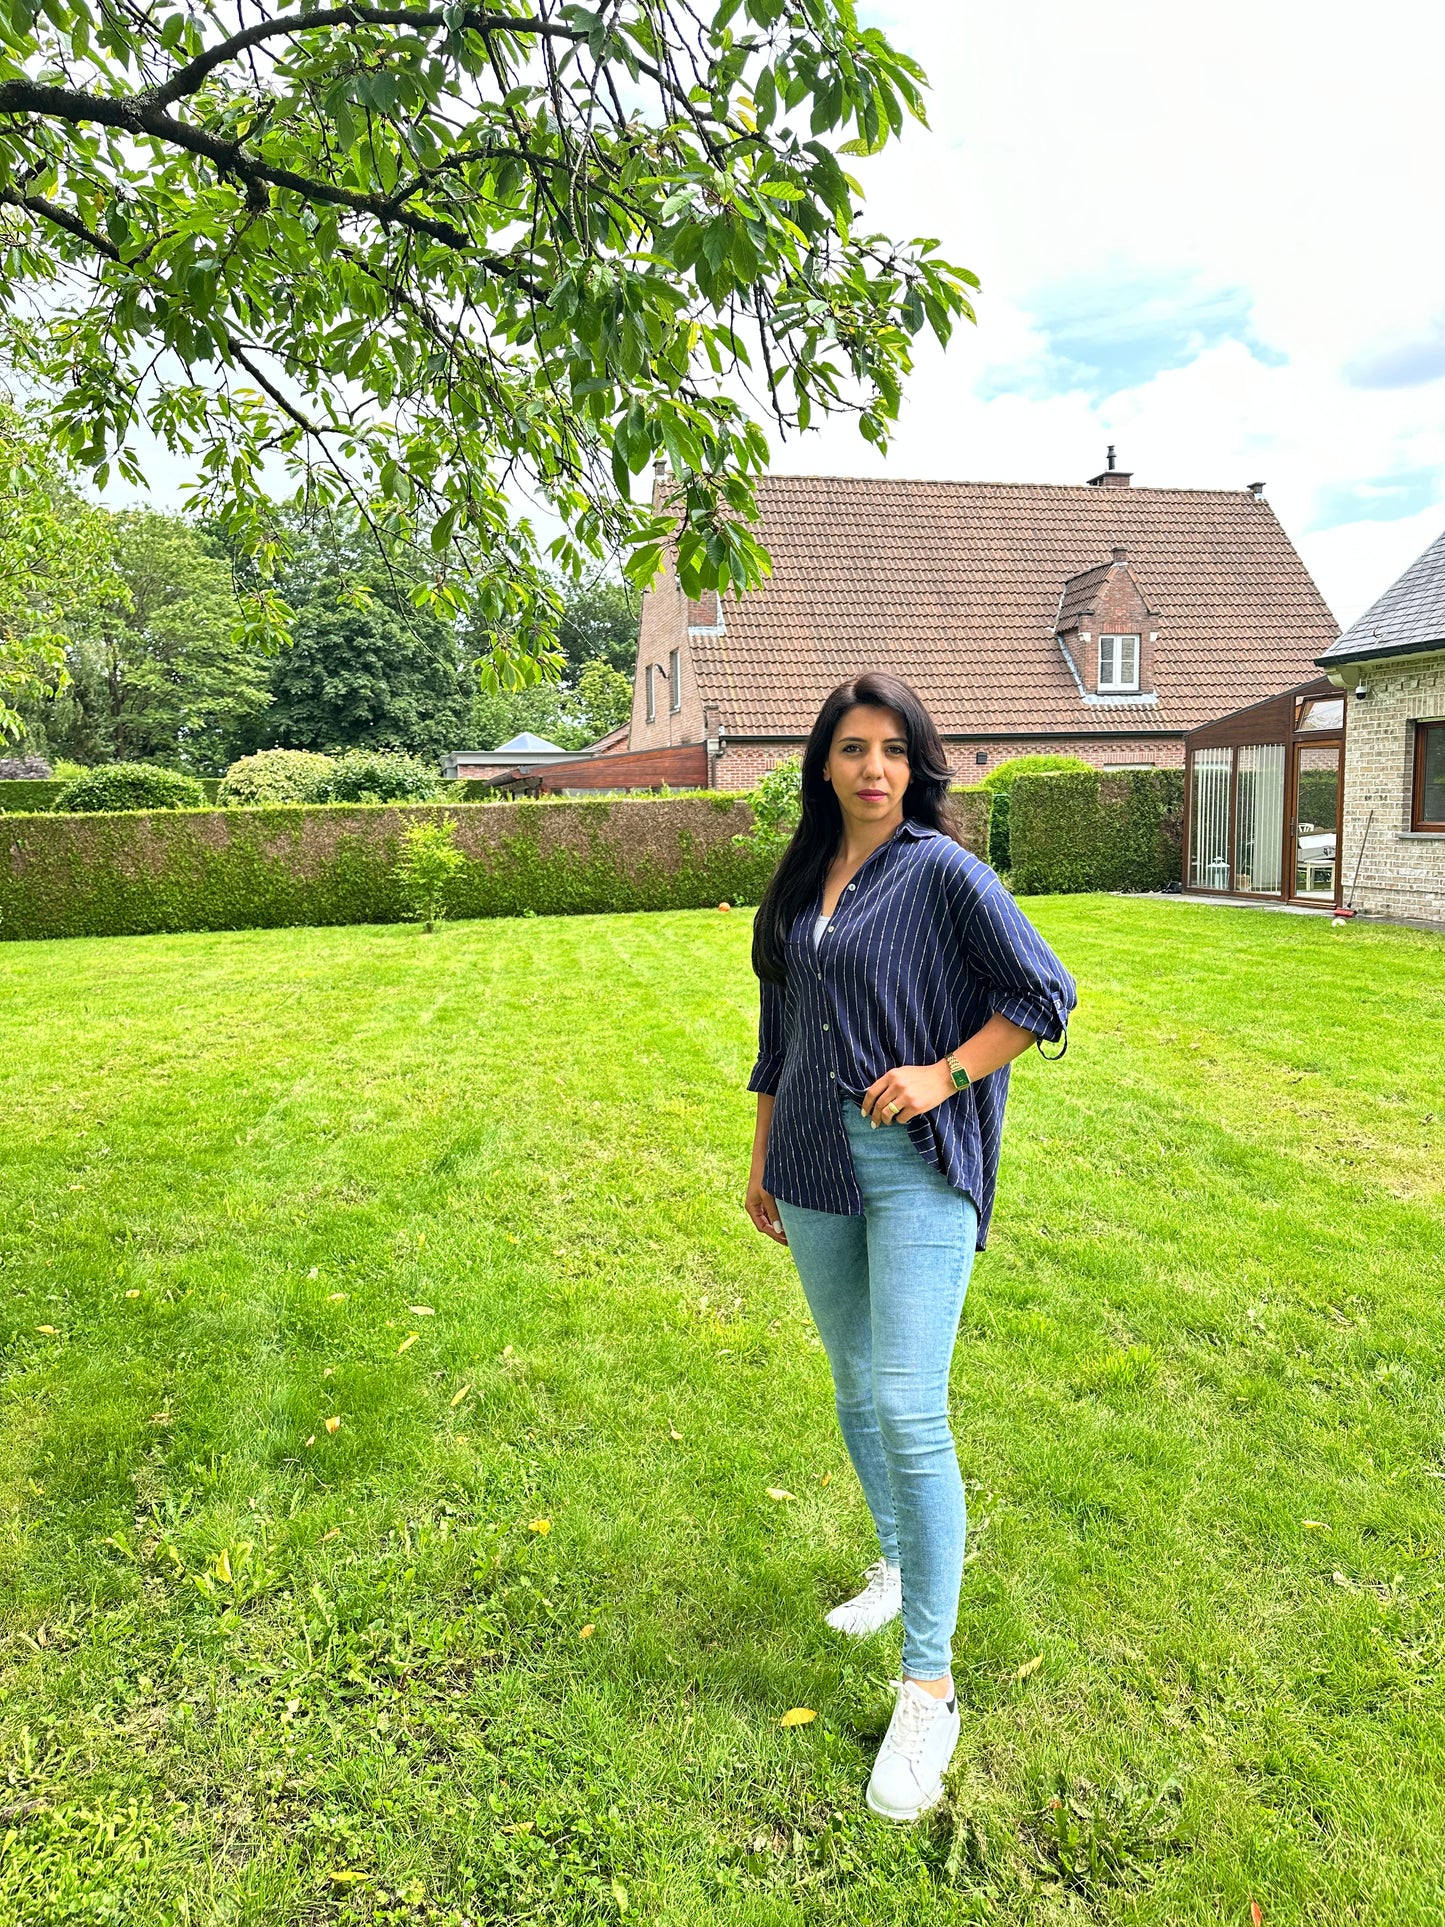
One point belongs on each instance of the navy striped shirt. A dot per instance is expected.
(924, 947)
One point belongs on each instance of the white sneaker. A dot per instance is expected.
(880, 1601)
(907, 1776)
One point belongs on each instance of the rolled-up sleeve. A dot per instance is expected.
(1028, 983)
(772, 1038)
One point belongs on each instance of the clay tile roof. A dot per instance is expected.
(1409, 616)
(1080, 592)
(955, 587)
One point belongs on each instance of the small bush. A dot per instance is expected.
(1000, 781)
(429, 860)
(24, 769)
(776, 805)
(130, 786)
(378, 776)
(275, 776)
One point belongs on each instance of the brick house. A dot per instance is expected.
(1102, 620)
(1391, 665)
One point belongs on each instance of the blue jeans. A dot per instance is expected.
(886, 1290)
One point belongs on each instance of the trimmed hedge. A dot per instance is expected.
(1088, 831)
(30, 793)
(26, 794)
(135, 872)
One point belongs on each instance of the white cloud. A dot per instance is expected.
(1243, 204)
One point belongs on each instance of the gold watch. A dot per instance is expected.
(961, 1078)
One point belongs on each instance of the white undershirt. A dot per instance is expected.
(820, 924)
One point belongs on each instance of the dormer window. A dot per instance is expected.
(1118, 665)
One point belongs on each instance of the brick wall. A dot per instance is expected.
(1401, 875)
(741, 764)
(664, 628)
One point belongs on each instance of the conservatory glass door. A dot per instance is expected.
(1316, 822)
(1259, 820)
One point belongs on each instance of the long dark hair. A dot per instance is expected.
(814, 843)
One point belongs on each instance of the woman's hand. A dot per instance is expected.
(913, 1088)
(762, 1207)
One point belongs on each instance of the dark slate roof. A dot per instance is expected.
(1408, 617)
(955, 587)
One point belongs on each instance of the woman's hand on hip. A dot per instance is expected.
(762, 1207)
(907, 1092)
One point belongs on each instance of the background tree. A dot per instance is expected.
(158, 670)
(367, 675)
(599, 618)
(415, 253)
(54, 561)
(572, 718)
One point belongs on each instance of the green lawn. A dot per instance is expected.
(258, 1671)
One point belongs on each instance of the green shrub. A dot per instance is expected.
(776, 803)
(428, 862)
(32, 795)
(1085, 831)
(377, 776)
(130, 786)
(999, 782)
(275, 776)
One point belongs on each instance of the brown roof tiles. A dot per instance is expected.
(956, 586)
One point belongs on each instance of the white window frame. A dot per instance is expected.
(674, 680)
(1116, 685)
(651, 698)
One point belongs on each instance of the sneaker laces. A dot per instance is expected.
(913, 1715)
(879, 1584)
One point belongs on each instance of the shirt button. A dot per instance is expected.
(832, 1073)
(830, 926)
(852, 886)
(825, 1026)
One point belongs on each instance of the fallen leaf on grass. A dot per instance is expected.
(1030, 1666)
(587, 1632)
(312, 1439)
(1340, 1580)
(160, 1418)
(421, 1311)
(49, 1330)
(673, 1433)
(1314, 1525)
(134, 1292)
(797, 1716)
(518, 1826)
(1256, 1917)
(326, 1537)
(407, 1343)
(341, 1877)
(779, 1492)
(223, 1565)
(336, 1297)
(332, 1424)
(825, 1478)
(315, 1272)
(506, 1351)
(542, 1526)
(460, 1396)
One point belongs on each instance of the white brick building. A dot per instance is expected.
(1391, 665)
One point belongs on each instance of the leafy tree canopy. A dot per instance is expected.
(599, 619)
(54, 562)
(158, 669)
(571, 718)
(419, 253)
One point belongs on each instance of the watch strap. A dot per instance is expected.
(961, 1078)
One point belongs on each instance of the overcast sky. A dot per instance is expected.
(1212, 236)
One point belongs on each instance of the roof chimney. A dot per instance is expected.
(1121, 556)
(1256, 489)
(1110, 476)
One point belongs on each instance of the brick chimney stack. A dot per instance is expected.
(1121, 556)
(1110, 476)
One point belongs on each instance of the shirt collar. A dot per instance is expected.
(910, 827)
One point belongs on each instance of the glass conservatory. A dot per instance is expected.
(1262, 799)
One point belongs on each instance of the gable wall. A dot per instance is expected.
(1402, 874)
(663, 628)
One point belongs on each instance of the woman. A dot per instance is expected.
(898, 980)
